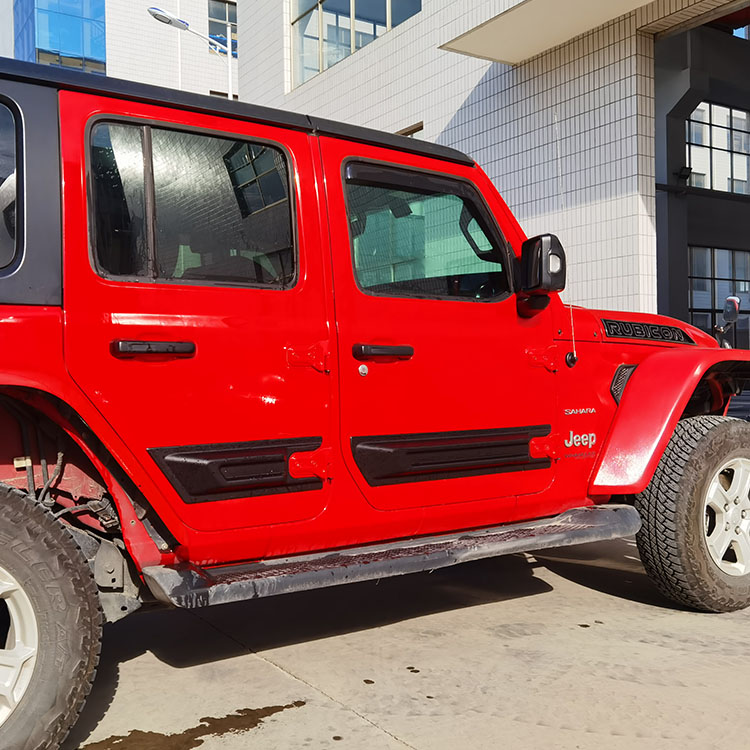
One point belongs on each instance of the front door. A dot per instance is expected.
(195, 314)
(443, 398)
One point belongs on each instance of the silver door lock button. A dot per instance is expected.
(363, 370)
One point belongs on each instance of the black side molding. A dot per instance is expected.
(395, 459)
(206, 473)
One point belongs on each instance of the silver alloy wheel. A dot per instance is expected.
(726, 511)
(18, 657)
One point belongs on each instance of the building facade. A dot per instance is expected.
(555, 100)
(142, 49)
(6, 28)
(120, 38)
(702, 172)
(64, 34)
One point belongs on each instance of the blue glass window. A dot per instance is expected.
(70, 30)
(47, 31)
(70, 7)
(94, 9)
(66, 33)
(94, 47)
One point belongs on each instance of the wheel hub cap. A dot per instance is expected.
(727, 517)
(18, 657)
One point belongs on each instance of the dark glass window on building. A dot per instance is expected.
(715, 274)
(222, 18)
(718, 148)
(220, 211)
(8, 188)
(326, 31)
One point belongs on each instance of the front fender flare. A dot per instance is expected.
(654, 400)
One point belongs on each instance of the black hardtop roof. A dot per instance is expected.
(74, 80)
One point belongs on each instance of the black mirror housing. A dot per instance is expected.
(543, 266)
(731, 309)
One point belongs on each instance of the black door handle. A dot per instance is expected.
(376, 351)
(124, 349)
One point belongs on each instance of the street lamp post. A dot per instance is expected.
(164, 16)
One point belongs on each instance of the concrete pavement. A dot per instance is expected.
(570, 649)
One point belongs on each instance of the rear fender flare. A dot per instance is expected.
(651, 406)
(146, 546)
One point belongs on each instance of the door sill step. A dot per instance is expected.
(186, 585)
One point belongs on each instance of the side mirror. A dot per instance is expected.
(731, 309)
(542, 265)
(542, 271)
(731, 316)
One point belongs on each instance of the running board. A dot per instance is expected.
(185, 585)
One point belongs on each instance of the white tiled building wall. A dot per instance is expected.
(567, 136)
(140, 48)
(6, 28)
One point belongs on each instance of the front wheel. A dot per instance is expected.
(50, 626)
(695, 537)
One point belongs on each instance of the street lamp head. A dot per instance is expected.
(164, 16)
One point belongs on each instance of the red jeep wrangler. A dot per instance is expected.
(250, 352)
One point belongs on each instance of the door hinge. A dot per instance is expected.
(315, 464)
(316, 356)
(546, 358)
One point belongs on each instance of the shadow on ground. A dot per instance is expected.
(612, 568)
(181, 639)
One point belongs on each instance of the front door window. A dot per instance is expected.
(422, 236)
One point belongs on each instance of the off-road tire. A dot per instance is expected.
(42, 556)
(672, 540)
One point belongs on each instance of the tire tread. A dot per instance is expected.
(33, 527)
(660, 540)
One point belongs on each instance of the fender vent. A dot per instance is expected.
(620, 380)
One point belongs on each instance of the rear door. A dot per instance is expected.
(195, 313)
(443, 395)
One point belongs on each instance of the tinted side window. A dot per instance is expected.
(214, 209)
(421, 236)
(8, 187)
(117, 171)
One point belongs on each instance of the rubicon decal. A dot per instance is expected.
(587, 438)
(624, 329)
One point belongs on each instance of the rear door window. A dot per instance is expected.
(184, 206)
(8, 188)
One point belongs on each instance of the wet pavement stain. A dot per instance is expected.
(210, 726)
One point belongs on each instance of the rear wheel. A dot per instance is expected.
(695, 537)
(50, 627)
